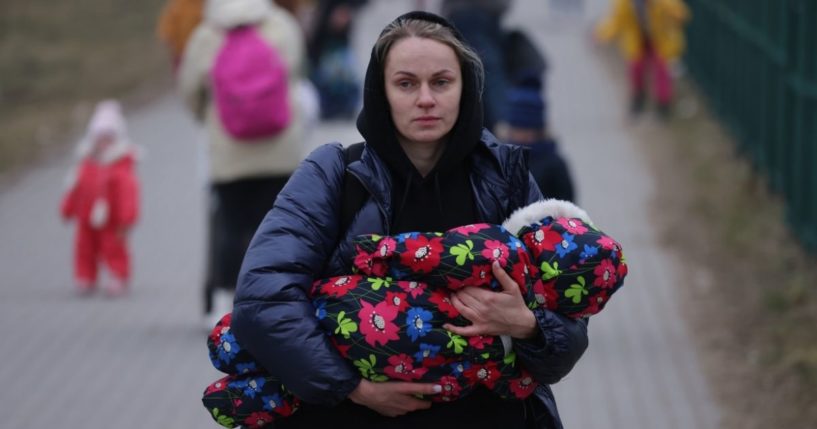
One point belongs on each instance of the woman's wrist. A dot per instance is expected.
(528, 327)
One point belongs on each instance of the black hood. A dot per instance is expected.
(376, 126)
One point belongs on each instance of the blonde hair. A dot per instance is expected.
(404, 28)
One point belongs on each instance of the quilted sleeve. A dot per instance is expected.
(273, 316)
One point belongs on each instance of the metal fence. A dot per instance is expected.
(757, 62)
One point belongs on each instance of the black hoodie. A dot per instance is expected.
(443, 198)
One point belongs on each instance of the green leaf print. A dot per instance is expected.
(376, 238)
(510, 359)
(463, 252)
(576, 291)
(223, 420)
(345, 325)
(550, 271)
(366, 368)
(457, 342)
(378, 282)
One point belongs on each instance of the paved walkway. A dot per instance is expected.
(141, 362)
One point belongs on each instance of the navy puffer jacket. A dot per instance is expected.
(298, 242)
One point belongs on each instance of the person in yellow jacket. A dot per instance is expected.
(176, 23)
(650, 34)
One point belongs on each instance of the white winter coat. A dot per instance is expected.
(230, 159)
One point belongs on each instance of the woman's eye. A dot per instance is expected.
(441, 82)
(405, 84)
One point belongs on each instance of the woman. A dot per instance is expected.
(428, 166)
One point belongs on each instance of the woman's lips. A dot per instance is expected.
(427, 119)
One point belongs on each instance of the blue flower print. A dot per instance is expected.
(320, 308)
(457, 368)
(272, 402)
(418, 322)
(228, 348)
(253, 386)
(426, 351)
(514, 243)
(589, 251)
(566, 246)
(246, 368)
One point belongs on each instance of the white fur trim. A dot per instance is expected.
(227, 14)
(535, 212)
(99, 213)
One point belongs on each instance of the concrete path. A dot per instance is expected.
(141, 362)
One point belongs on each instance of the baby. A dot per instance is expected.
(388, 318)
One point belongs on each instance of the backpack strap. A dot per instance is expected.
(354, 194)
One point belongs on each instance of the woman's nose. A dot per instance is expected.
(425, 98)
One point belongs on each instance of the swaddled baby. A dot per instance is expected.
(387, 318)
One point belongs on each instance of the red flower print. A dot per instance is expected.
(622, 270)
(523, 386)
(545, 294)
(480, 341)
(442, 299)
(343, 349)
(486, 374)
(470, 229)
(376, 322)
(520, 273)
(367, 263)
(222, 327)
(541, 239)
(594, 304)
(339, 286)
(284, 409)
(385, 248)
(397, 299)
(480, 275)
(572, 225)
(258, 420)
(422, 254)
(401, 367)
(495, 250)
(607, 242)
(414, 289)
(454, 283)
(218, 385)
(451, 388)
(605, 274)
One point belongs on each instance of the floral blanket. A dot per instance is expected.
(387, 318)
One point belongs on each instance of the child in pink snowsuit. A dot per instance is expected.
(103, 198)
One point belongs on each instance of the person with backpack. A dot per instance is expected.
(239, 76)
(427, 164)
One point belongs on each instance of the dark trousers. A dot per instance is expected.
(235, 210)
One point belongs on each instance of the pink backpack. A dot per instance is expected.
(250, 86)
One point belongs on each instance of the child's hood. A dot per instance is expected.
(108, 119)
(534, 213)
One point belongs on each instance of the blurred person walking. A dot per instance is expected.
(480, 22)
(103, 200)
(332, 61)
(253, 138)
(525, 124)
(176, 23)
(650, 36)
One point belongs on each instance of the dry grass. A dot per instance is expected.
(58, 58)
(752, 297)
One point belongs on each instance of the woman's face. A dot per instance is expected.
(423, 86)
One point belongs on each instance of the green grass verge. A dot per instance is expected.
(58, 58)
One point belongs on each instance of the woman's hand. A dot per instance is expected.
(494, 313)
(393, 398)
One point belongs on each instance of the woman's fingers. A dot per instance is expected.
(507, 283)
